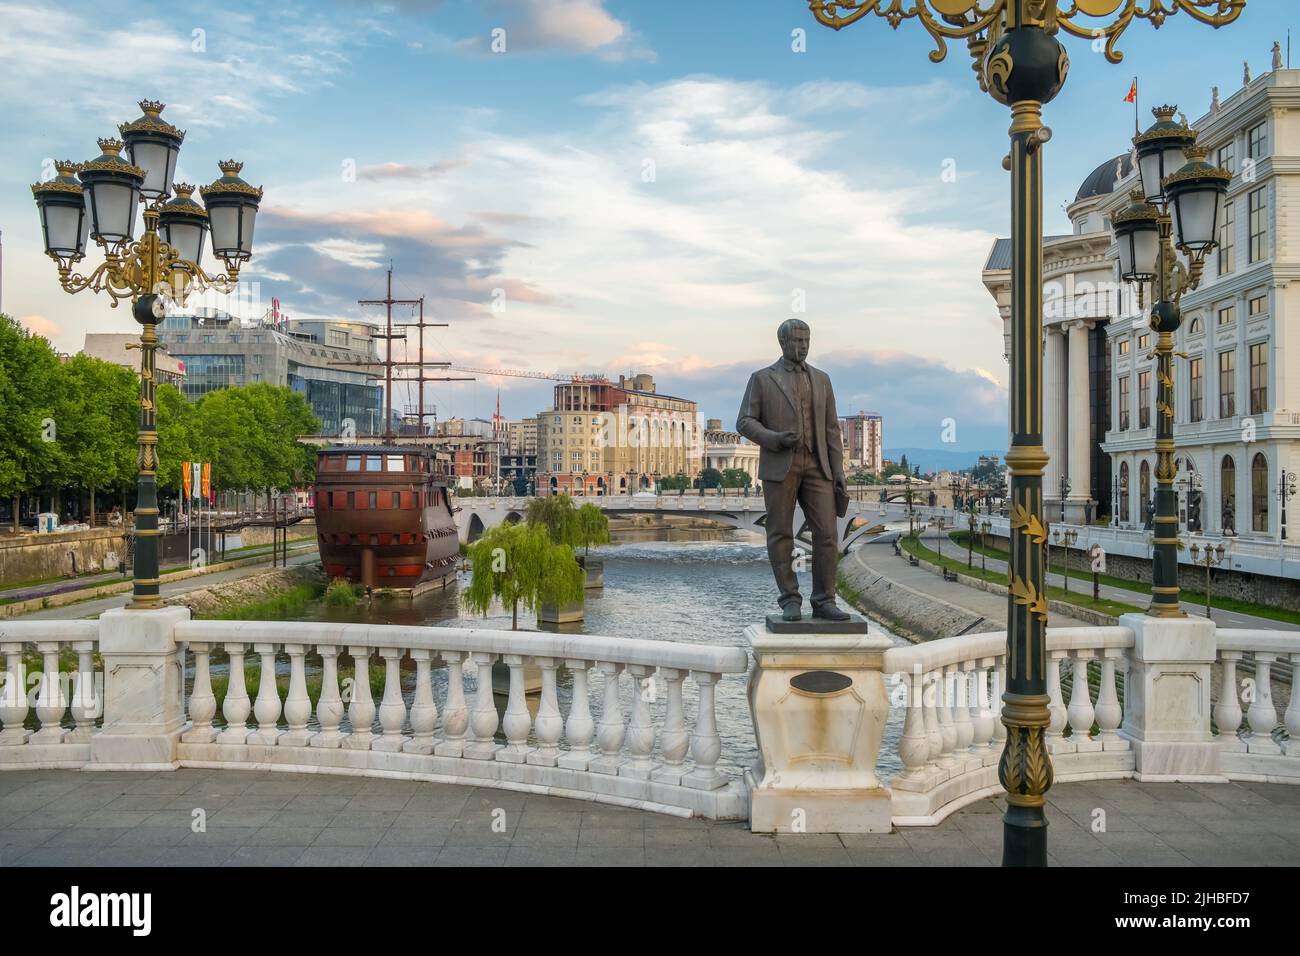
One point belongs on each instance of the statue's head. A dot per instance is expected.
(794, 335)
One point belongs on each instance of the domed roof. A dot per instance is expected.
(1101, 180)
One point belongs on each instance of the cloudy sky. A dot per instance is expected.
(597, 185)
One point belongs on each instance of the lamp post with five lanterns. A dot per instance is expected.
(97, 200)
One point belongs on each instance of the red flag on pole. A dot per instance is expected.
(1132, 92)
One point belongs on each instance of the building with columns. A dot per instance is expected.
(1237, 407)
(603, 437)
(1237, 410)
(1079, 292)
(725, 449)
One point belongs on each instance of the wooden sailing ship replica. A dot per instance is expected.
(384, 515)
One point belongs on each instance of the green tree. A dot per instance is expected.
(519, 564)
(736, 478)
(678, 482)
(593, 527)
(176, 424)
(96, 410)
(556, 515)
(709, 478)
(29, 454)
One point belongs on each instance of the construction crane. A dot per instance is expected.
(524, 373)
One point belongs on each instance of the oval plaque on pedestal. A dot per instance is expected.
(821, 682)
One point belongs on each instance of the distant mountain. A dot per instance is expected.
(941, 459)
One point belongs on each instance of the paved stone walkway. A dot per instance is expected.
(71, 818)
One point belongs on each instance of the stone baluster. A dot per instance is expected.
(516, 722)
(995, 700)
(961, 708)
(86, 702)
(361, 710)
(424, 712)
(203, 702)
(329, 706)
(13, 697)
(579, 729)
(930, 711)
(392, 709)
(1081, 712)
(1055, 704)
(982, 718)
(674, 741)
(706, 745)
(455, 716)
(610, 733)
(483, 718)
(1109, 713)
(1292, 747)
(914, 746)
(297, 705)
(640, 729)
(267, 706)
(235, 708)
(1262, 714)
(50, 703)
(550, 725)
(1227, 710)
(944, 693)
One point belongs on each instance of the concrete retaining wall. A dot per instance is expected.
(909, 613)
(29, 557)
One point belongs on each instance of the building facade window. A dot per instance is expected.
(1227, 383)
(1257, 141)
(1144, 399)
(1259, 493)
(1257, 306)
(1228, 494)
(1197, 326)
(1144, 491)
(1144, 342)
(1123, 403)
(1228, 240)
(1196, 389)
(1226, 157)
(1227, 314)
(1123, 491)
(1258, 226)
(1123, 347)
(1259, 378)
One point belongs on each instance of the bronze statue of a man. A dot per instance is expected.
(789, 412)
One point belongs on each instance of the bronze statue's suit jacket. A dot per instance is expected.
(768, 409)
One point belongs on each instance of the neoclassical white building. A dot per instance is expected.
(1237, 411)
(1237, 407)
(725, 449)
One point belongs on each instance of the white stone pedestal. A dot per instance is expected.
(1167, 698)
(819, 706)
(144, 680)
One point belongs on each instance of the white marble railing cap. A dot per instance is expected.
(1258, 639)
(62, 631)
(696, 657)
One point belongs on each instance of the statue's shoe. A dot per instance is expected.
(829, 612)
(792, 612)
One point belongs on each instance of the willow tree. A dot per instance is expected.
(519, 564)
(557, 516)
(593, 527)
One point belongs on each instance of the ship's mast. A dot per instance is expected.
(419, 364)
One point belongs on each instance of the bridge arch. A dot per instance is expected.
(476, 528)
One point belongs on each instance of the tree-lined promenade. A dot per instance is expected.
(70, 430)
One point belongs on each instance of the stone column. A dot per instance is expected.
(144, 711)
(1053, 424)
(818, 701)
(1167, 698)
(1080, 416)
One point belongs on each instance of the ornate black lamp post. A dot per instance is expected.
(162, 266)
(1065, 492)
(1178, 209)
(1211, 557)
(1021, 64)
(1285, 492)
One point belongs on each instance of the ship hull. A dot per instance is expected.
(390, 527)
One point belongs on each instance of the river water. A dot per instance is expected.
(698, 587)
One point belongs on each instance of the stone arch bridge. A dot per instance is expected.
(864, 519)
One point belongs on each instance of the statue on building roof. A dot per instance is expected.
(1214, 99)
(1277, 55)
